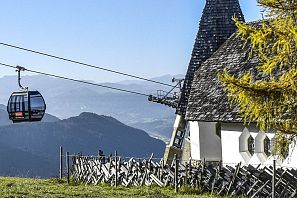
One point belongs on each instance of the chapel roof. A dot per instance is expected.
(216, 26)
(208, 100)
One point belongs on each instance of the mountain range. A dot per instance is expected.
(66, 98)
(117, 121)
(32, 149)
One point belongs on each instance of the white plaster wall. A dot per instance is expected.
(230, 147)
(205, 143)
(195, 140)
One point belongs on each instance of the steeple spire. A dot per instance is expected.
(216, 26)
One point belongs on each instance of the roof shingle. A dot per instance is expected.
(208, 100)
(216, 26)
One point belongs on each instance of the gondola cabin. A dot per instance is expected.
(26, 106)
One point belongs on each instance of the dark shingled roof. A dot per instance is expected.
(208, 100)
(216, 26)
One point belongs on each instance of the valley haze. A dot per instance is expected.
(107, 120)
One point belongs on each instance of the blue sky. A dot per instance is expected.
(148, 38)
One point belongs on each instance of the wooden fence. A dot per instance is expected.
(209, 177)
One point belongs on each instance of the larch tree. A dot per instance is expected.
(271, 100)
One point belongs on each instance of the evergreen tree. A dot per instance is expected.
(271, 100)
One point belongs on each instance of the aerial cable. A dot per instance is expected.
(75, 80)
(84, 64)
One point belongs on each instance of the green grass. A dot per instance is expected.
(24, 187)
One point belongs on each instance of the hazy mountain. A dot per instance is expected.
(32, 149)
(49, 118)
(4, 120)
(67, 98)
(161, 128)
(164, 79)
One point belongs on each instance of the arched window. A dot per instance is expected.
(267, 146)
(246, 145)
(251, 145)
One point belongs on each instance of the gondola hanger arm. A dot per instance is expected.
(19, 69)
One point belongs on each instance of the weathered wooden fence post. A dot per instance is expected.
(61, 162)
(190, 166)
(186, 174)
(202, 172)
(273, 179)
(116, 169)
(237, 169)
(68, 167)
(162, 169)
(176, 173)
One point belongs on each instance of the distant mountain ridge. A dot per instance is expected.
(31, 149)
(163, 79)
(65, 99)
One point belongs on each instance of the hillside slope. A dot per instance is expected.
(86, 133)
